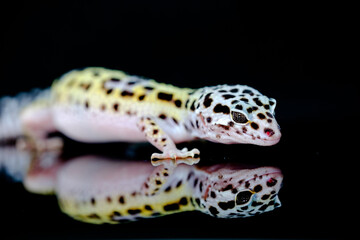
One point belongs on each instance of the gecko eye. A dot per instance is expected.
(239, 117)
(243, 197)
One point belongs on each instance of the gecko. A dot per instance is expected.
(103, 105)
(97, 189)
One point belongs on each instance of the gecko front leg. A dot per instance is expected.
(157, 179)
(171, 155)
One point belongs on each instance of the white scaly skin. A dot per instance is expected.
(98, 190)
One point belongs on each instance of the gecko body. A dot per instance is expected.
(102, 105)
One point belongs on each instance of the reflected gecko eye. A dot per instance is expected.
(239, 117)
(243, 197)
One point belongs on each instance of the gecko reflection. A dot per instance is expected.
(99, 190)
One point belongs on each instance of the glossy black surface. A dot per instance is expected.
(292, 55)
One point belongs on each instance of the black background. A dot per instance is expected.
(296, 54)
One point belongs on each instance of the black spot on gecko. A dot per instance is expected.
(122, 200)
(228, 187)
(263, 208)
(178, 103)
(148, 207)
(116, 107)
(269, 115)
(178, 184)
(186, 103)
(207, 100)
(196, 182)
(155, 131)
(162, 116)
(149, 88)
(212, 194)
(109, 91)
(171, 207)
(261, 116)
(221, 109)
(239, 107)
(175, 121)
(93, 216)
(116, 213)
(258, 102)
(254, 125)
(265, 197)
(115, 79)
(244, 99)
(183, 201)
(141, 97)
(255, 204)
(227, 205)
(92, 200)
(227, 96)
(234, 90)
(257, 188)
(127, 93)
(131, 83)
(85, 86)
(248, 91)
(134, 211)
(86, 104)
(192, 108)
(165, 96)
(189, 176)
(168, 189)
(213, 210)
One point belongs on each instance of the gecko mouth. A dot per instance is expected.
(252, 139)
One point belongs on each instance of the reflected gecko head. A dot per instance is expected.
(237, 114)
(243, 193)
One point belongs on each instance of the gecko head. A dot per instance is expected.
(237, 114)
(243, 193)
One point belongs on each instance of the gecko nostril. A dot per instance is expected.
(269, 132)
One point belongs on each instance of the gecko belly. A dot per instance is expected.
(95, 125)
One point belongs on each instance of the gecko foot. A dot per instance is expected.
(175, 157)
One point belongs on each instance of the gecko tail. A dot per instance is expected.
(11, 108)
